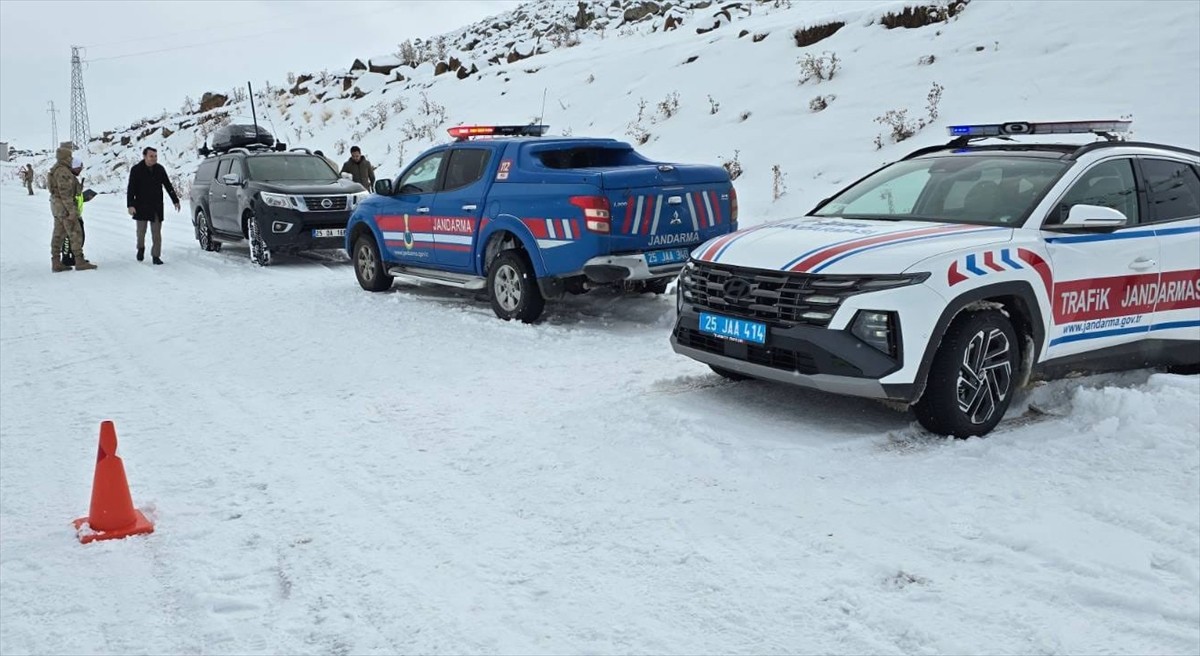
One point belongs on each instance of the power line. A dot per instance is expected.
(235, 38)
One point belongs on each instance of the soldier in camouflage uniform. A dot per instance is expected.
(64, 187)
(27, 177)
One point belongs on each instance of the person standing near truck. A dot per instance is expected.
(360, 169)
(147, 179)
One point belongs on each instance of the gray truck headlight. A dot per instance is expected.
(279, 200)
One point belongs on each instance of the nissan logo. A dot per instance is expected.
(326, 203)
(737, 290)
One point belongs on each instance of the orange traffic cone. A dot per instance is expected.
(112, 514)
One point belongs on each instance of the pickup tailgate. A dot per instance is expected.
(656, 206)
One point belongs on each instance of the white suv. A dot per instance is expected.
(952, 277)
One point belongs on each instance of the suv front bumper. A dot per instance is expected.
(807, 356)
(287, 230)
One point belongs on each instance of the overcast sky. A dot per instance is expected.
(256, 41)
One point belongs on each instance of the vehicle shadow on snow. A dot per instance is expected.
(808, 414)
(334, 259)
(601, 308)
(1042, 402)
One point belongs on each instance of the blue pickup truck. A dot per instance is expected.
(529, 218)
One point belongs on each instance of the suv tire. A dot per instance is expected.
(512, 288)
(368, 265)
(259, 253)
(204, 232)
(972, 377)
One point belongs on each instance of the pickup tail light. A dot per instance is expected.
(733, 206)
(596, 214)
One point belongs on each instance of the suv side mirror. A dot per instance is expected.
(347, 176)
(231, 179)
(383, 187)
(1094, 216)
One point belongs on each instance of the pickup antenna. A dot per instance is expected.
(543, 114)
(253, 114)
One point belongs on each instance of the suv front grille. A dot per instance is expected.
(313, 203)
(773, 296)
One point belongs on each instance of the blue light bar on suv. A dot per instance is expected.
(1022, 127)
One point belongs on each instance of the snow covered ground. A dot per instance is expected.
(333, 471)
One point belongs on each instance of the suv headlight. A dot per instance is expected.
(359, 197)
(279, 200)
(877, 328)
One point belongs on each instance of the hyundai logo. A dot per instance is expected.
(326, 203)
(737, 290)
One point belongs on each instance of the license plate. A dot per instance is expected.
(738, 330)
(329, 232)
(659, 258)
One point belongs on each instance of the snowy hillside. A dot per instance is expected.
(732, 93)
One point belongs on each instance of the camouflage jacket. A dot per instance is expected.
(60, 182)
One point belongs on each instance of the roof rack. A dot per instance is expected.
(248, 149)
(300, 150)
(465, 132)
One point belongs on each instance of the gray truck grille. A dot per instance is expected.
(315, 203)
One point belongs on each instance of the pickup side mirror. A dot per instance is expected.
(232, 179)
(347, 176)
(1094, 216)
(383, 187)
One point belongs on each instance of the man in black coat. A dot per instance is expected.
(147, 179)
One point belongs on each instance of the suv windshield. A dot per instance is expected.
(954, 189)
(280, 168)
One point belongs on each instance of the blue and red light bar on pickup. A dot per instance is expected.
(464, 132)
(1022, 128)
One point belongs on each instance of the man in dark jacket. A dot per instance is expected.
(147, 179)
(360, 169)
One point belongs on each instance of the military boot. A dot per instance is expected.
(56, 265)
(82, 264)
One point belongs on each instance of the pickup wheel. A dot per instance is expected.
(513, 289)
(204, 232)
(971, 380)
(259, 253)
(368, 265)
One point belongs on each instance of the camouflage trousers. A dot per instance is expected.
(29, 186)
(66, 226)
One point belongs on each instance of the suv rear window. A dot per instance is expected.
(279, 168)
(586, 157)
(207, 170)
(1174, 189)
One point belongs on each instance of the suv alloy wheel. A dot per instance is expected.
(972, 378)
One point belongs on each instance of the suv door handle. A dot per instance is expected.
(470, 208)
(422, 210)
(1142, 263)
